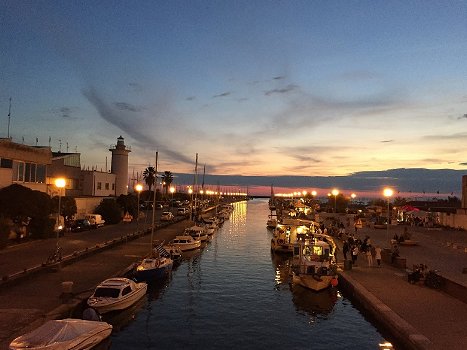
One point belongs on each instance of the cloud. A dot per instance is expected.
(224, 94)
(463, 117)
(358, 75)
(135, 87)
(190, 98)
(143, 136)
(457, 136)
(386, 141)
(124, 106)
(465, 163)
(284, 90)
(64, 112)
(280, 77)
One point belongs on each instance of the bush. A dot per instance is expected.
(110, 211)
(4, 232)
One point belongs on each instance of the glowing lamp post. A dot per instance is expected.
(190, 192)
(172, 190)
(138, 189)
(352, 196)
(335, 192)
(59, 183)
(388, 192)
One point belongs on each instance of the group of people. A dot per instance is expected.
(355, 246)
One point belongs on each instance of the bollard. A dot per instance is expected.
(67, 287)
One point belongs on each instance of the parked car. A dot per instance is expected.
(95, 220)
(182, 211)
(80, 225)
(167, 216)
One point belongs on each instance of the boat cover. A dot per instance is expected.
(63, 334)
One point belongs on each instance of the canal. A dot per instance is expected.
(233, 294)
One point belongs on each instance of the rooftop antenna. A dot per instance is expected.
(60, 146)
(9, 115)
(67, 147)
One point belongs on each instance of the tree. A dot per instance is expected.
(110, 211)
(27, 208)
(68, 207)
(400, 201)
(128, 203)
(149, 176)
(339, 201)
(167, 179)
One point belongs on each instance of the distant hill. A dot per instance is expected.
(405, 180)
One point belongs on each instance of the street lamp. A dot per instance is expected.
(172, 190)
(59, 183)
(138, 189)
(388, 192)
(335, 192)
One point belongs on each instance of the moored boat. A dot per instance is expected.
(313, 264)
(116, 294)
(272, 222)
(68, 333)
(174, 252)
(197, 232)
(185, 242)
(156, 266)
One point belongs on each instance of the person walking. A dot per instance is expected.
(369, 255)
(378, 255)
(345, 249)
(354, 255)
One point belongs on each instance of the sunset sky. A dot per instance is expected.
(320, 88)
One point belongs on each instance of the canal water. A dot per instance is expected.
(234, 294)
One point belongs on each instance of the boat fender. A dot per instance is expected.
(334, 282)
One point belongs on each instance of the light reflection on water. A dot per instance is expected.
(235, 294)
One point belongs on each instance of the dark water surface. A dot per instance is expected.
(233, 294)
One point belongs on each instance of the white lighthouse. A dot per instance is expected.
(120, 166)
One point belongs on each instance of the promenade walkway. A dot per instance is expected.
(418, 316)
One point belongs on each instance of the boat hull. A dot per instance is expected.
(149, 273)
(313, 282)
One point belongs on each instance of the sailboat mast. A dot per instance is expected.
(9, 116)
(195, 189)
(154, 205)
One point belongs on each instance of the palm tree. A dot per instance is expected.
(167, 179)
(149, 176)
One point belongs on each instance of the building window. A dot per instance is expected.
(99, 185)
(20, 172)
(40, 173)
(6, 163)
(107, 186)
(29, 172)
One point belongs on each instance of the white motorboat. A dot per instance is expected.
(116, 294)
(314, 263)
(69, 333)
(197, 232)
(185, 242)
